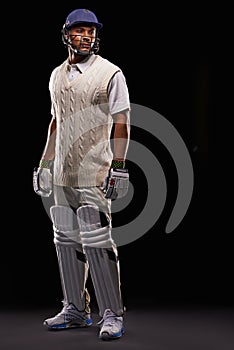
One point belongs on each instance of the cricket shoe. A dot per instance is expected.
(111, 326)
(69, 317)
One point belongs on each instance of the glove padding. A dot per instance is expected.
(117, 183)
(42, 181)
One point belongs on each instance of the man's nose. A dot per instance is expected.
(86, 38)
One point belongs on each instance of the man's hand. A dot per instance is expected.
(43, 179)
(117, 181)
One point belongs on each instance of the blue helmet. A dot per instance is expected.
(76, 17)
(82, 16)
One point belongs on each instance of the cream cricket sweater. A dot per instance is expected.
(83, 152)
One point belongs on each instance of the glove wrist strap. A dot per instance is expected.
(118, 164)
(45, 163)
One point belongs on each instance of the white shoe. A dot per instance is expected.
(112, 326)
(69, 317)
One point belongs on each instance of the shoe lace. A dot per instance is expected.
(70, 312)
(109, 318)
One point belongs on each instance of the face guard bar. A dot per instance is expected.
(84, 40)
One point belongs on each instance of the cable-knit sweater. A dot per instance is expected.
(83, 152)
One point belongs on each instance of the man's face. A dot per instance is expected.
(82, 37)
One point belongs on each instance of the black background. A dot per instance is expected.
(170, 55)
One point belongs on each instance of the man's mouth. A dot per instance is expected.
(85, 46)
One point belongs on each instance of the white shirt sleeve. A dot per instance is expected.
(118, 94)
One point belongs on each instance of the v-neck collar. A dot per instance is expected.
(81, 66)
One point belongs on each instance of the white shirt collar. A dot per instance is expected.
(82, 66)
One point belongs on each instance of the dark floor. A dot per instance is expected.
(169, 327)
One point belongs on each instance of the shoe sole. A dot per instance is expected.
(71, 324)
